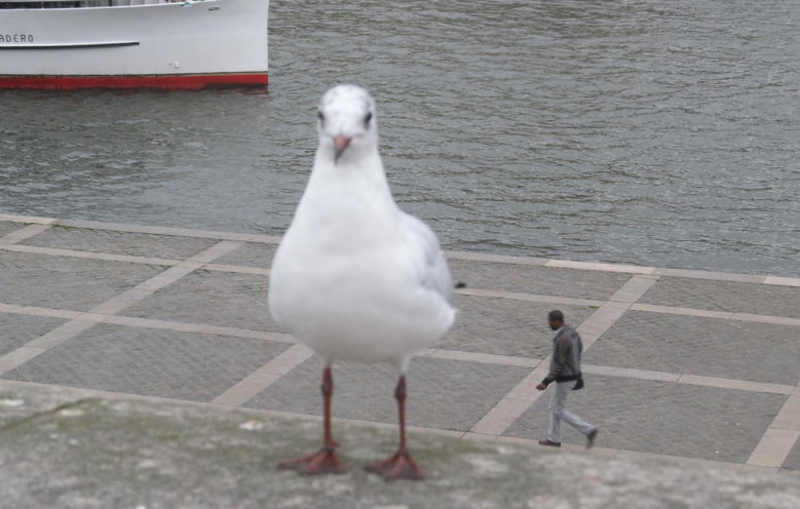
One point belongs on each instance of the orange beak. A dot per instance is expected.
(341, 144)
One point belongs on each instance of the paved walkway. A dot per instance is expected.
(690, 364)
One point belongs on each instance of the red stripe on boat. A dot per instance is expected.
(170, 82)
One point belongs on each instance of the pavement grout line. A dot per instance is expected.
(237, 268)
(143, 260)
(782, 281)
(552, 299)
(634, 289)
(456, 255)
(744, 385)
(18, 357)
(264, 376)
(112, 306)
(600, 267)
(511, 406)
(37, 311)
(123, 300)
(505, 360)
(496, 258)
(174, 232)
(38, 346)
(773, 448)
(778, 440)
(22, 234)
(723, 315)
(788, 417)
(218, 250)
(673, 310)
(58, 335)
(218, 330)
(26, 219)
(639, 374)
(600, 321)
(526, 389)
(51, 251)
(779, 320)
(481, 292)
(167, 277)
(711, 275)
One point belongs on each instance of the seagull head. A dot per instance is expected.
(347, 122)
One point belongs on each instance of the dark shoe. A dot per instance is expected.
(590, 438)
(549, 443)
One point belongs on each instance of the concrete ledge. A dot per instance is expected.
(70, 448)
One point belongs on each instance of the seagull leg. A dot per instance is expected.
(325, 461)
(399, 465)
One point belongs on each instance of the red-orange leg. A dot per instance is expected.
(399, 465)
(326, 461)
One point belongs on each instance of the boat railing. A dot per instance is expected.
(66, 4)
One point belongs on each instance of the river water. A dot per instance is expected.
(652, 132)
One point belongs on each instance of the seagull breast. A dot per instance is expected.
(355, 277)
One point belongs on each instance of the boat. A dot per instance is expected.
(192, 44)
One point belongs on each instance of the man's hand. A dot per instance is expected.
(541, 386)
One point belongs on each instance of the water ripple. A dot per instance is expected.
(636, 131)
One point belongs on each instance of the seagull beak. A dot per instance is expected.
(341, 144)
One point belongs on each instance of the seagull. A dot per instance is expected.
(355, 278)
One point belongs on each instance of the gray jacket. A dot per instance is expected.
(565, 363)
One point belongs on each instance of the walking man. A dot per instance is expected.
(565, 371)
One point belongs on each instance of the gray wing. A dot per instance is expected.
(432, 267)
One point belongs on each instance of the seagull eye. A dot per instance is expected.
(367, 118)
(320, 116)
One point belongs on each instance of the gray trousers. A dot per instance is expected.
(559, 412)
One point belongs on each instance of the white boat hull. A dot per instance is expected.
(167, 45)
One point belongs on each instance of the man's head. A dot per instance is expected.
(555, 319)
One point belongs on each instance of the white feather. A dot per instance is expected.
(355, 277)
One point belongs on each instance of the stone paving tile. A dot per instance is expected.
(7, 227)
(506, 326)
(64, 282)
(579, 284)
(149, 362)
(16, 330)
(664, 418)
(714, 347)
(250, 255)
(211, 297)
(122, 243)
(792, 461)
(727, 296)
(442, 393)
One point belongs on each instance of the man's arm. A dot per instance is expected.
(560, 357)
